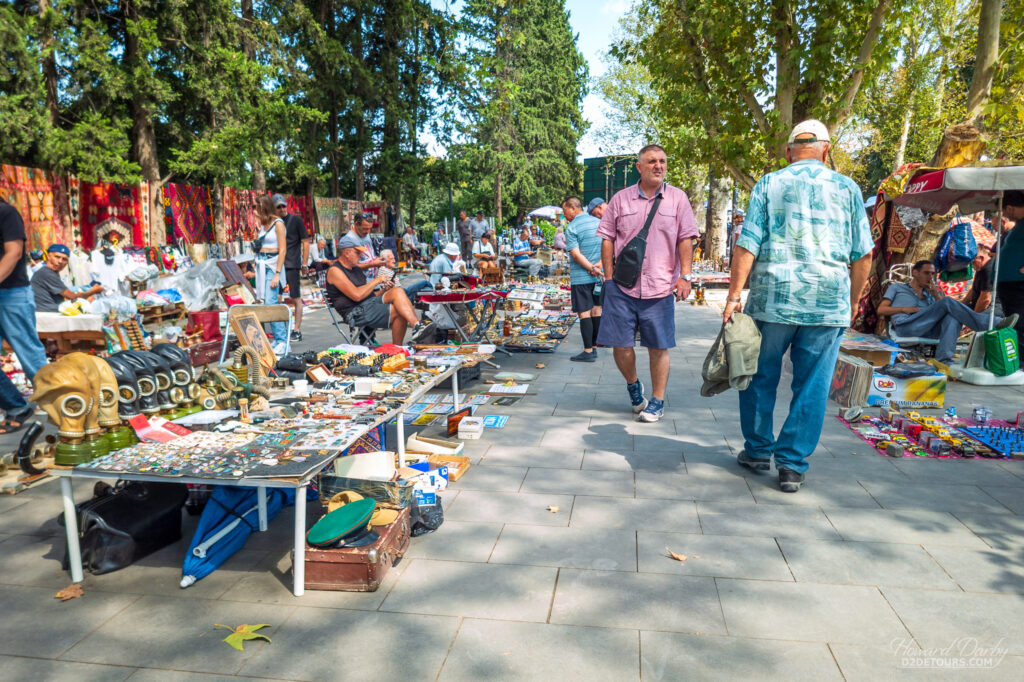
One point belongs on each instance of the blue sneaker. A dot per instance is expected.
(652, 413)
(636, 396)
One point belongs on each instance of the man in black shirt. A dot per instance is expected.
(979, 296)
(294, 258)
(17, 317)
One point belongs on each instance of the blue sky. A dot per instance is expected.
(594, 21)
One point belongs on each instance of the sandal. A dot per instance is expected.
(13, 423)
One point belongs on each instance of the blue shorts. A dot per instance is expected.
(623, 315)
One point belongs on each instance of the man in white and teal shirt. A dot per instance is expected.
(522, 253)
(806, 245)
(584, 249)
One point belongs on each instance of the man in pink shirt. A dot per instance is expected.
(648, 306)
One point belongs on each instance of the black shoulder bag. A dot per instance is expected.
(630, 260)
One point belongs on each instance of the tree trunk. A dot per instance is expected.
(497, 198)
(143, 134)
(985, 57)
(901, 148)
(787, 76)
(717, 215)
(47, 49)
(217, 199)
(259, 174)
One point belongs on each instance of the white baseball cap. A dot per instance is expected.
(809, 127)
(451, 249)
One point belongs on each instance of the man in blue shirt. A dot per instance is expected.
(522, 254)
(806, 245)
(922, 309)
(445, 263)
(584, 249)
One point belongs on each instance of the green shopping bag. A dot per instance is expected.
(1001, 356)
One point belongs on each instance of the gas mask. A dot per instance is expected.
(108, 393)
(164, 378)
(64, 393)
(184, 389)
(84, 363)
(128, 395)
(145, 378)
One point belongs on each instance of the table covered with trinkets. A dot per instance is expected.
(284, 446)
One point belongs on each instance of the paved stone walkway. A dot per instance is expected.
(817, 585)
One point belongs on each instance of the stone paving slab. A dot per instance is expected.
(637, 601)
(20, 668)
(593, 548)
(864, 563)
(494, 650)
(611, 513)
(668, 656)
(712, 555)
(938, 618)
(861, 663)
(809, 612)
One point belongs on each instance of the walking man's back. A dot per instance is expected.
(806, 245)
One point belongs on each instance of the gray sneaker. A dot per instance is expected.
(749, 462)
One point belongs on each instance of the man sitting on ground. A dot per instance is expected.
(922, 309)
(49, 289)
(352, 295)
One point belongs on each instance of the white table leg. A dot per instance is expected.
(455, 390)
(400, 432)
(299, 559)
(261, 501)
(71, 527)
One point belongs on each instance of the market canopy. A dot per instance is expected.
(545, 212)
(971, 188)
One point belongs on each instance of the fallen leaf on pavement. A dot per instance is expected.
(72, 591)
(540, 365)
(242, 633)
(553, 509)
(681, 558)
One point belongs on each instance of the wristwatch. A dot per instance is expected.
(687, 277)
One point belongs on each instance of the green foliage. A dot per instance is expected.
(525, 82)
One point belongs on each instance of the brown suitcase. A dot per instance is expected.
(359, 569)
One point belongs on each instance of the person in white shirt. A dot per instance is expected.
(484, 256)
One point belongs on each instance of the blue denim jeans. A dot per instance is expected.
(270, 296)
(813, 351)
(18, 329)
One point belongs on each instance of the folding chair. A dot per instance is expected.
(277, 312)
(363, 337)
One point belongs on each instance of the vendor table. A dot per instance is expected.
(67, 329)
(299, 484)
(481, 322)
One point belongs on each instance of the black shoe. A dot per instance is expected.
(422, 330)
(749, 462)
(584, 356)
(789, 480)
(296, 335)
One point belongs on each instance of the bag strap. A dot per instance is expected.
(642, 234)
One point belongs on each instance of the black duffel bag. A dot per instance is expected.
(125, 523)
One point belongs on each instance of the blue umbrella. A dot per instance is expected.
(231, 514)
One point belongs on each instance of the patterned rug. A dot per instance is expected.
(32, 191)
(329, 214)
(187, 213)
(103, 201)
(240, 214)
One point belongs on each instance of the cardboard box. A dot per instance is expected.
(875, 358)
(868, 347)
(923, 391)
(850, 381)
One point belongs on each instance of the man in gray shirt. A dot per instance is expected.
(465, 229)
(479, 226)
(922, 309)
(47, 286)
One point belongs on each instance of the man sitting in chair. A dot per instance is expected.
(352, 295)
(484, 255)
(922, 309)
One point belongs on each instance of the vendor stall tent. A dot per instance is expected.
(549, 212)
(971, 189)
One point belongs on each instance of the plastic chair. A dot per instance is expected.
(363, 337)
(912, 342)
